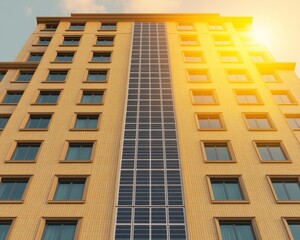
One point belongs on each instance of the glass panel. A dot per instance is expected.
(26, 152)
(3, 121)
(264, 153)
(79, 152)
(295, 229)
(70, 189)
(4, 228)
(11, 189)
(59, 231)
(277, 153)
(237, 231)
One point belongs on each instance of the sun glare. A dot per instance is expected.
(261, 35)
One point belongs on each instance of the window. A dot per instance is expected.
(64, 57)
(48, 97)
(217, 151)
(70, 189)
(79, 151)
(198, 76)
(294, 121)
(44, 41)
(3, 121)
(222, 41)
(283, 97)
(4, 228)
(210, 122)
(12, 189)
(86, 122)
(92, 97)
(237, 230)
(26, 151)
(294, 228)
(71, 40)
(230, 57)
(77, 26)
(51, 26)
(57, 76)
(238, 75)
(271, 152)
(226, 189)
(60, 230)
(247, 97)
(269, 77)
(2, 74)
(286, 189)
(101, 57)
(189, 40)
(185, 27)
(204, 97)
(193, 57)
(97, 76)
(25, 76)
(105, 41)
(258, 122)
(38, 122)
(216, 27)
(35, 57)
(257, 58)
(12, 97)
(246, 40)
(108, 27)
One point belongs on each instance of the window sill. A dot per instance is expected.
(98, 62)
(288, 201)
(262, 129)
(91, 104)
(61, 62)
(230, 201)
(95, 81)
(8, 104)
(20, 161)
(84, 129)
(107, 30)
(19, 81)
(44, 104)
(68, 45)
(220, 161)
(53, 81)
(74, 30)
(39, 45)
(212, 129)
(275, 161)
(66, 201)
(75, 161)
(11, 201)
(33, 129)
(99, 45)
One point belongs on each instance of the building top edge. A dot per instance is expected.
(147, 17)
(277, 66)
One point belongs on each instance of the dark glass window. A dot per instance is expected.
(97, 76)
(271, 151)
(60, 230)
(69, 189)
(2, 74)
(226, 189)
(4, 228)
(35, 57)
(12, 97)
(48, 97)
(12, 188)
(77, 26)
(105, 41)
(38, 121)
(71, 40)
(26, 151)
(108, 26)
(89, 97)
(79, 151)
(45, 41)
(64, 57)
(287, 189)
(51, 26)
(25, 76)
(258, 122)
(295, 229)
(101, 57)
(217, 151)
(87, 121)
(238, 230)
(294, 121)
(57, 76)
(3, 121)
(210, 122)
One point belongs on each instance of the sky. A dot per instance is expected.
(276, 21)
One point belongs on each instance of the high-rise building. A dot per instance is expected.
(148, 126)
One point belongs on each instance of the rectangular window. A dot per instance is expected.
(4, 228)
(48, 97)
(92, 97)
(271, 152)
(97, 76)
(71, 41)
(108, 27)
(189, 40)
(12, 189)
(237, 230)
(283, 97)
(204, 97)
(25, 76)
(198, 76)
(35, 57)
(60, 230)
(216, 27)
(57, 76)
(257, 58)
(269, 77)
(217, 151)
(3, 121)
(222, 41)
(51, 26)
(64, 57)
(238, 75)
(44, 41)
(210, 122)
(12, 97)
(86, 122)
(105, 41)
(79, 152)
(101, 57)
(38, 122)
(2, 74)
(293, 120)
(77, 26)
(294, 228)
(258, 122)
(185, 26)
(193, 57)
(230, 57)
(247, 97)
(26, 151)
(226, 189)
(286, 189)
(70, 189)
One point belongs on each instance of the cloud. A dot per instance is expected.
(152, 6)
(28, 11)
(83, 6)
